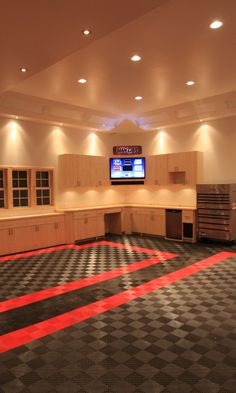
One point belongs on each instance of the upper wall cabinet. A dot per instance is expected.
(76, 170)
(176, 168)
(157, 170)
(184, 168)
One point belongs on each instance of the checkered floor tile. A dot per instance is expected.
(178, 339)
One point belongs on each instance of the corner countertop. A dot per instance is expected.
(100, 207)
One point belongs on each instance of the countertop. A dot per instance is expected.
(24, 214)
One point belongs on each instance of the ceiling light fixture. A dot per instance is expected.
(190, 83)
(17, 117)
(23, 69)
(216, 24)
(138, 98)
(136, 58)
(82, 81)
(60, 124)
(86, 32)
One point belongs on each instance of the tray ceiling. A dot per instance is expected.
(171, 36)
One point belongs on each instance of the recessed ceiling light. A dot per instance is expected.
(82, 81)
(216, 24)
(136, 58)
(86, 32)
(190, 83)
(138, 98)
(17, 117)
(23, 69)
(60, 124)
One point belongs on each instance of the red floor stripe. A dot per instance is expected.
(76, 247)
(35, 252)
(133, 248)
(41, 329)
(47, 250)
(61, 289)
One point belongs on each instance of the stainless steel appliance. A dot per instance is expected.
(216, 211)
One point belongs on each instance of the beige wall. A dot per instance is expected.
(28, 143)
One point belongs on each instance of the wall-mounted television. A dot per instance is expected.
(127, 168)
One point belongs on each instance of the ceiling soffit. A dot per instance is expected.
(51, 112)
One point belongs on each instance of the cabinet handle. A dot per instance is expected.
(10, 231)
(86, 221)
(56, 225)
(36, 228)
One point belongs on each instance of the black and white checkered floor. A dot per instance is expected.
(180, 338)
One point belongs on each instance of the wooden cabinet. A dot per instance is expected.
(136, 220)
(24, 234)
(148, 221)
(99, 171)
(50, 232)
(176, 162)
(176, 168)
(88, 224)
(76, 170)
(184, 168)
(157, 170)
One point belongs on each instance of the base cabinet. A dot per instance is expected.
(147, 221)
(88, 225)
(23, 234)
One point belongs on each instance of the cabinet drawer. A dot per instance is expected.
(188, 216)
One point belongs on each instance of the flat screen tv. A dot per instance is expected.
(127, 168)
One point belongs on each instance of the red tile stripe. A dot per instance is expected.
(76, 247)
(61, 289)
(46, 250)
(41, 329)
(133, 248)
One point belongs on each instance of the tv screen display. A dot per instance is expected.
(127, 168)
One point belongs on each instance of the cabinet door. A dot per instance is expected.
(80, 229)
(136, 220)
(157, 169)
(67, 170)
(23, 239)
(89, 225)
(162, 169)
(83, 171)
(161, 222)
(153, 222)
(176, 162)
(49, 234)
(183, 167)
(191, 167)
(99, 171)
(151, 170)
(6, 241)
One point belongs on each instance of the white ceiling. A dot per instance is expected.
(172, 37)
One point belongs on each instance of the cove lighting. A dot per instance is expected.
(216, 24)
(136, 58)
(138, 98)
